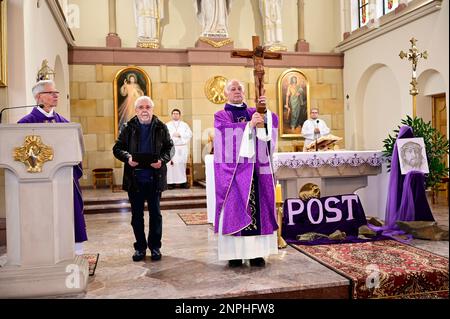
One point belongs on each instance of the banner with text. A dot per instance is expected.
(322, 215)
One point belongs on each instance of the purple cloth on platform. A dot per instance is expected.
(233, 175)
(79, 223)
(406, 200)
(324, 216)
(414, 204)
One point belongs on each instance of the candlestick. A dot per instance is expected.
(278, 194)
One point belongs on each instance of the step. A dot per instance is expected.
(124, 206)
(103, 200)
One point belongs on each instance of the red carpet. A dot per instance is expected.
(385, 269)
(92, 261)
(197, 218)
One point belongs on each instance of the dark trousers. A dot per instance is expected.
(147, 192)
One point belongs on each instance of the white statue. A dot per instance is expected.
(148, 15)
(213, 16)
(271, 18)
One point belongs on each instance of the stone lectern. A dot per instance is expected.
(38, 161)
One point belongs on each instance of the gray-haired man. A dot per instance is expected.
(144, 178)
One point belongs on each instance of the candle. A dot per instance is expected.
(278, 196)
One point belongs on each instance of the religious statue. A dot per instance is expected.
(148, 15)
(213, 16)
(45, 72)
(271, 19)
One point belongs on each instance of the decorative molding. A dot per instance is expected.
(196, 56)
(60, 19)
(216, 43)
(391, 21)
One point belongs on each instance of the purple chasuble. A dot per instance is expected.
(406, 199)
(234, 174)
(80, 226)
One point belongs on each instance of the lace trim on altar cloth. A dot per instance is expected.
(353, 159)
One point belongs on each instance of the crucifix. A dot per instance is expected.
(413, 55)
(258, 55)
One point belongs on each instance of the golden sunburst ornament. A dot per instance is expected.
(33, 153)
(215, 89)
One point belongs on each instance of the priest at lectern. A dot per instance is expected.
(314, 128)
(47, 99)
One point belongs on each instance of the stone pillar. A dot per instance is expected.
(302, 45)
(112, 39)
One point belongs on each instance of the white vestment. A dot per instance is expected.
(308, 130)
(213, 16)
(271, 18)
(148, 14)
(176, 168)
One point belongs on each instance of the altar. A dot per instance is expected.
(334, 172)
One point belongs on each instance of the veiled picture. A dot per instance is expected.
(412, 155)
(129, 84)
(293, 102)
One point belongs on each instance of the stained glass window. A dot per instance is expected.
(363, 12)
(389, 5)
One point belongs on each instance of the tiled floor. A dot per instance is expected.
(190, 269)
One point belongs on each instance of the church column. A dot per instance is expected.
(112, 39)
(302, 45)
(346, 18)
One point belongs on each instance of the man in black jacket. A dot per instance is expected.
(144, 178)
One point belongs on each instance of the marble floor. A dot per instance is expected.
(189, 267)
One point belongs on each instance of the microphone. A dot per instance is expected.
(18, 107)
(317, 136)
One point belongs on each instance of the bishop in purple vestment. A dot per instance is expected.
(244, 180)
(47, 97)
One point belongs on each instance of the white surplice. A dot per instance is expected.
(176, 168)
(308, 130)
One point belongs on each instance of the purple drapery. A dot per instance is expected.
(406, 200)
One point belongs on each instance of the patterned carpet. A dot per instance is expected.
(197, 218)
(385, 269)
(92, 260)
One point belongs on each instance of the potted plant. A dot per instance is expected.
(436, 146)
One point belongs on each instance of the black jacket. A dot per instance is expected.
(128, 143)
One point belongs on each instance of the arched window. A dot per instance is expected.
(389, 5)
(366, 12)
(363, 12)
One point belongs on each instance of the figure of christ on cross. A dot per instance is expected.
(258, 55)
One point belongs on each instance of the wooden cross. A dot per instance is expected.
(258, 55)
